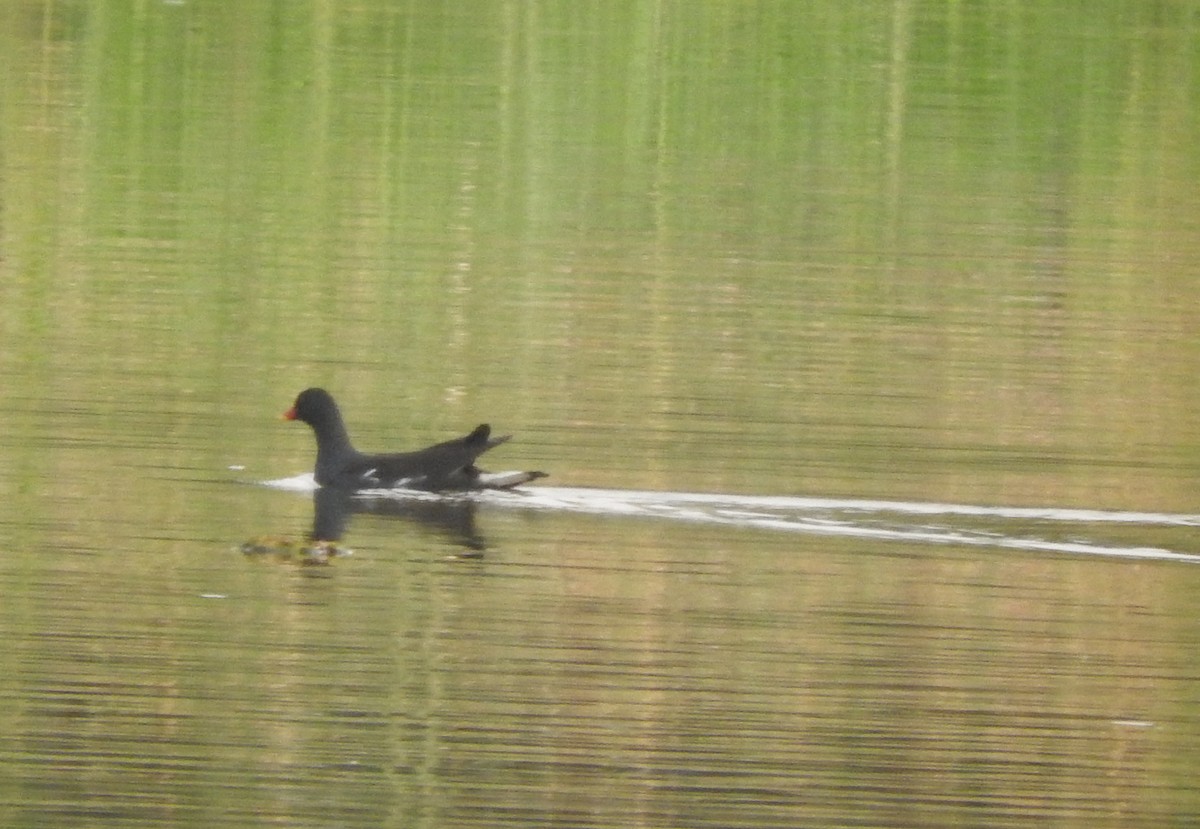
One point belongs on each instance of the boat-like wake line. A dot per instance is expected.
(868, 519)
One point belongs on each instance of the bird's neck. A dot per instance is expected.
(333, 444)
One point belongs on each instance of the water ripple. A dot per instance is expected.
(903, 521)
(883, 520)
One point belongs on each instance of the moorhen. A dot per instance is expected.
(444, 466)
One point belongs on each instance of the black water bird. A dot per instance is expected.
(448, 466)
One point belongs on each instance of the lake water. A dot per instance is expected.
(859, 342)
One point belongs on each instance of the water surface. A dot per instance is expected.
(858, 342)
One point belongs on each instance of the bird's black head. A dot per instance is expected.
(312, 406)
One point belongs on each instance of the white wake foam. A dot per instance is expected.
(868, 519)
(883, 520)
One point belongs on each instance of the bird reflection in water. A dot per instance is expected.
(334, 508)
(452, 517)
